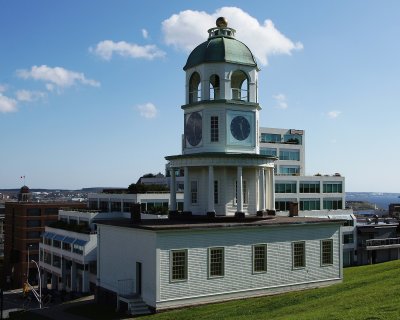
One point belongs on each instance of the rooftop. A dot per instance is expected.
(203, 222)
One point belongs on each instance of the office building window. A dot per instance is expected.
(33, 212)
(179, 265)
(292, 139)
(309, 187)
(193, 192)
(260, 258)
(51, 211)
(33, 223)
(116, 206)
(289, 170)
(214, 129)
(285, 187)
(332, 187)
(310, 204)
(216, 262)
(299, 254)
(47, 257)
(332, 204)
(289, 155)
(326, 252)
(270, 138)
(283, 205)
(268, 152)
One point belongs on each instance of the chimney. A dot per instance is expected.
(135, 213)
(293, 209)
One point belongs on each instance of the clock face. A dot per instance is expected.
(193, 129)
(240, 128)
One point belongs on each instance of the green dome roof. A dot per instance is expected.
(220, 49)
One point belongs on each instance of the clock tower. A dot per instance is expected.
(224, 172)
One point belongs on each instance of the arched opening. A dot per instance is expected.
(194, 88)
(239, 85)
(214, 87)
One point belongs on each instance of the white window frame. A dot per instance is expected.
(171, 265)
(264, 245)
(209, 262)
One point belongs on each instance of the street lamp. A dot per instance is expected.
(38, 296)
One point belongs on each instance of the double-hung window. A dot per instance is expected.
(193, 192)
(214, 129)
(299, 254)
(259, 258)
(179, 265)
(326, 252)
(216, 262)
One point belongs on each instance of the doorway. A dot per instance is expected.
(139, 278)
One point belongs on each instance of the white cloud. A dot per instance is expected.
(147, 110)
(7, 104)
(28, 96)
(105, 49)
(145, 33)
(3, 88)
(187, 29)
(57, 76)
(281, 102)
(334, 114)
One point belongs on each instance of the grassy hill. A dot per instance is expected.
(367, 292)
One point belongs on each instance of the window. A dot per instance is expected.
(51, 211)
(179, 265)
(103, 206)
(214, 87)
(115, 206)
(76, 248)
(299, 254)
(214, 129)
(310, 187)
(270, 138)
(260, 258)
(194, 88)
(93, 205)
(292, 138)
(41, 254)
(332, 187)
(127, 206)
(193, 191)
(348, 238)
(33, 212)
(326, 252)
(215, 262)
(47, 241)
(56, 243)
(289, 155)
(285, 187)
(66, 246)
(332, 204)
(33, 223)
(47, 257)
(33, 234)
(283, 205)
(56, 261)
(310, 204)
(216, 200)
(268, 152)
(239, 85)
(348, 223)
(289, 170)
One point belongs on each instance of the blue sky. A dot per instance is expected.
(90, 91)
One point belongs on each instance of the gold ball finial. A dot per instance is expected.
(222, 22)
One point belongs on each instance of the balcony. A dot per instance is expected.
(376, 244)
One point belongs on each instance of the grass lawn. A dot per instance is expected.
(367, 292)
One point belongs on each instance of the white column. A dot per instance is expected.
(186, 189)
(211, 189)
(262, 191)
(172, 192)
(272, 191)
(239, 190)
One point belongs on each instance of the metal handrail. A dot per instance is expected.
(381, 242)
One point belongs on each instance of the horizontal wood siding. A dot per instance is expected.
(238, 259)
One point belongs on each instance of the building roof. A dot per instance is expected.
(202, 222)
(220, 49)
